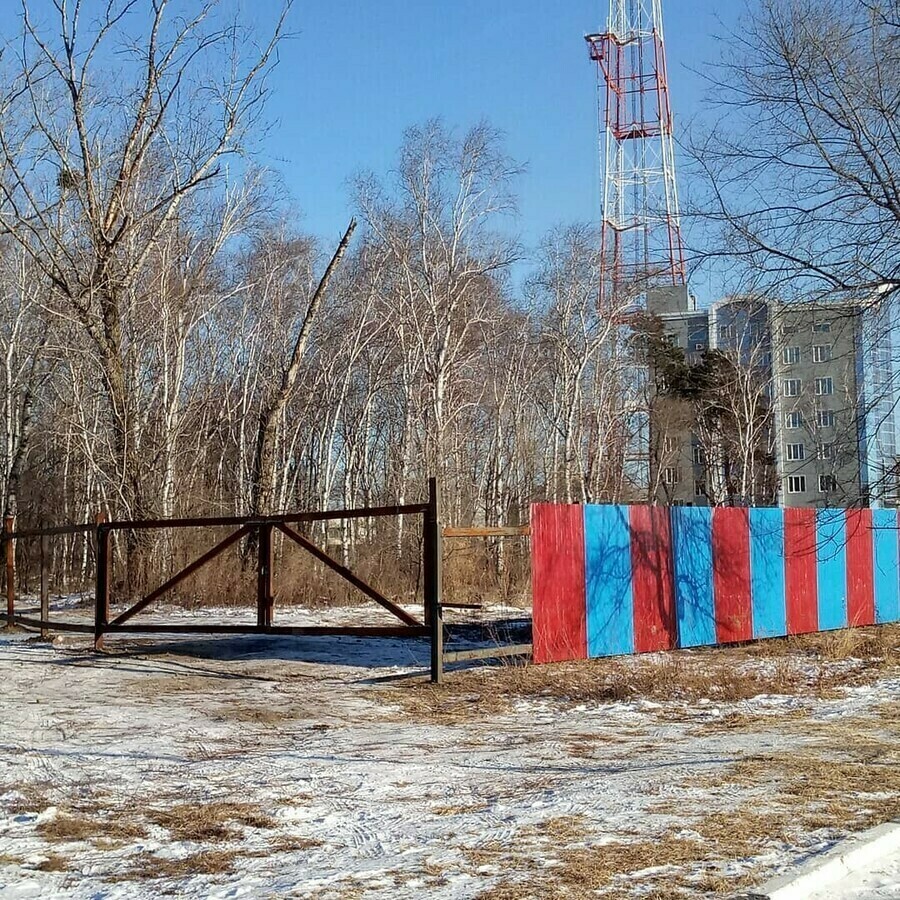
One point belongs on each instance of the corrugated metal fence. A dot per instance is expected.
(610, 580)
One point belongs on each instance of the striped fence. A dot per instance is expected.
(610, 580)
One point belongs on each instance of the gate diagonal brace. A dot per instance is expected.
(346, 574)
(180, 576)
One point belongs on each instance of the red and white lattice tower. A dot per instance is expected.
(641, 233)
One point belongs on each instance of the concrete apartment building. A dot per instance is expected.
(831, 378)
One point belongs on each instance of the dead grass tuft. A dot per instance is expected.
(32, 798)
(53, 863)
(287, 843)
(209, 821)
(146, 866)
(255, 715)
(69, 827)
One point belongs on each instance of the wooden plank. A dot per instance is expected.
(498, 652)
(180, 576)
(558, 582)
(498, 531)
(347, 575)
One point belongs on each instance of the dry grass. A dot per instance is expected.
(54, 863)
(67, 826)
(33, 798)
(287, 843)
(255, 715)
(816, 665)
(209, 821)
(146, 866)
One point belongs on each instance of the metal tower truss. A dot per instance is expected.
(641, 231)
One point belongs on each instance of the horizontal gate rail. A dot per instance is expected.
(251, 628)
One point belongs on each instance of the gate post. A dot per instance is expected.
(45, 585)
(264, 599)
(434, 613)
(8, 528)
(101, 589)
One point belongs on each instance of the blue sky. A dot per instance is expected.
(358, 72)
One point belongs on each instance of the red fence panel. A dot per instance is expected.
(860, 568)
(731, 574)
(800, 570)
(653, 584)
(557, 547)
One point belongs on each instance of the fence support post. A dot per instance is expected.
(264, 599)
(434, 614)
(8, 528)
(45, 586)
(101, 591)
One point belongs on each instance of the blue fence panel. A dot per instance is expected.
(767, 572)
(607, 564)
(831, 568)
(694, 605)
(887, 563)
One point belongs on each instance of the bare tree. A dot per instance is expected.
(803, 164)
(101, 165)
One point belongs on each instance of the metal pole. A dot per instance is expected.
(45, 585)
(101, 592)
(264, 599)
(8, 528)
(434, 615)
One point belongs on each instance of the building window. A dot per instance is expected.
(822, 327)
(791, 387)
(671, 475)
(825, 418)
(670, 445)
(790, 356)
(726, 332)
(824, 386)
(822, 353)
(794, 419)
(797, 484)
(699, 456)
(795, 452)
(700, 488)
(827, 484)
(826, 451)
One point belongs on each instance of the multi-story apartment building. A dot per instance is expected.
(818, 415)
(830, 383)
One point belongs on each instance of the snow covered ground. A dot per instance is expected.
(311, 767)
(882, 882)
